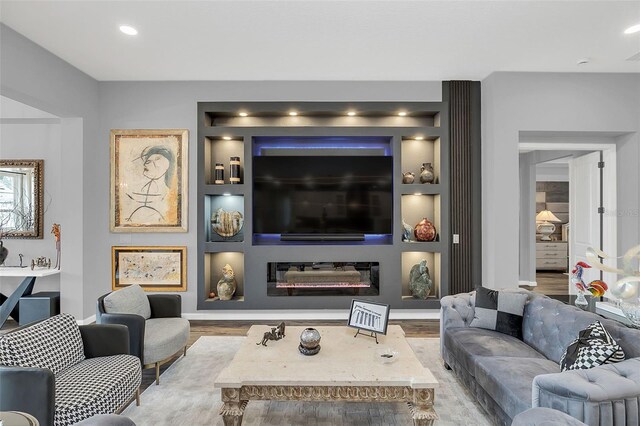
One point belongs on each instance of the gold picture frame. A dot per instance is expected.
(149, 180)
(25, 217)
(154, 268)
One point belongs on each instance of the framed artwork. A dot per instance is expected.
(149, 185)
(154, 268)
(369, 316)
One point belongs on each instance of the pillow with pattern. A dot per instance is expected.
(499, 311)
(593, 347)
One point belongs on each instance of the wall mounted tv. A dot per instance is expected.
(319, 197)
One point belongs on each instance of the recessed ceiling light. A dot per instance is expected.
(417, 193)
(243, 114)
(633, 29)
(402, 113)
(226, 194)
(419, 138)
(128, 30)
(226, 138)
(351, 113)
(293, 113)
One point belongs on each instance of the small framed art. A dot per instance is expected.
(154, 268)
(369, 316)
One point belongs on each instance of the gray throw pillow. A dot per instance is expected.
(129, 300)
(500, 311)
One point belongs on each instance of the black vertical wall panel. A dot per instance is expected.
(464, 127)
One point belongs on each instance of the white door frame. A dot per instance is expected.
(609, 188)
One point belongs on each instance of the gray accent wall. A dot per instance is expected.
(556, 106)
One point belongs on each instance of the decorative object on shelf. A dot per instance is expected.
(149, 185)
(55, 230)
(41, 262)
(386, 355)
(425, 230)
(576, 278)
(3, 252)
(407, 232)
(218, 174)
(544, 225)
(22, 214)
(369, 316)
(626, 288)
(408, 177)
(154, 268)
(276, 334)
(420, 282)
(309, 341)
(212, 295)
(234, 170)
(426, 173)
(226, 224)
(227, 285)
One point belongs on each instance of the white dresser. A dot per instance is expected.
(552, 255)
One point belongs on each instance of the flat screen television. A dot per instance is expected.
(322, 195)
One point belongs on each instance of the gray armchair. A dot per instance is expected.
(157, 332)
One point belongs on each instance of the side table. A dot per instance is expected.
(17, 418)
(10, 305)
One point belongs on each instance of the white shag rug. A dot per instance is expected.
(186, 395)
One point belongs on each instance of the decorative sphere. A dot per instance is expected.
(310, 338)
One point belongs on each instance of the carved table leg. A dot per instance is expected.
(421, 407)
(233, 408)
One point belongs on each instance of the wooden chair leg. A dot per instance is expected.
(138, 397)
(157, 373)
(185, 350)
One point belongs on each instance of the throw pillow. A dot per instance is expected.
(593, 347)
(54, 343)
(128, 300)
(499, 310)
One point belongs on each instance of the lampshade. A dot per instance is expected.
(546, 216)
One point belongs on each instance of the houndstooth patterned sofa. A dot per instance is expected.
(61, 373)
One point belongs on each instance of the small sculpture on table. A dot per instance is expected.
(55, 230)
(420, 282)
(41, 262)
(275, 334)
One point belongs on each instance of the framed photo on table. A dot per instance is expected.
(149, 185)
(154, 268)
(369, 316)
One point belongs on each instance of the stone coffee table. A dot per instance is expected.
(345, 369)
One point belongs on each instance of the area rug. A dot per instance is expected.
(186, 395)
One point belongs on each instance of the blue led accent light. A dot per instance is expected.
(333, 143)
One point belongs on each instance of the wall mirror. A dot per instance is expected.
(21, 198)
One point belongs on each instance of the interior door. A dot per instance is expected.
(584, 219)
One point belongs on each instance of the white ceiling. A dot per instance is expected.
(330, 40)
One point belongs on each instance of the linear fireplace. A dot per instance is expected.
(323, 279)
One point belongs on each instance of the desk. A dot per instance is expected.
(9, 306)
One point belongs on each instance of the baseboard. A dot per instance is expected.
(528, 283)
(428, 314)
(87, 321)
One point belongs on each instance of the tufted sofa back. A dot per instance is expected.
(549, 326)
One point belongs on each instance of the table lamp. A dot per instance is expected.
(545, 227)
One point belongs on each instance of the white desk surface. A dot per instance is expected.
(342, 361)
(26, 272)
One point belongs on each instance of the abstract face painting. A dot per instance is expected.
(149, 180)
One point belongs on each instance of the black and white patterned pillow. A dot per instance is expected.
(499, 310)
(54, 343)
(593, 347)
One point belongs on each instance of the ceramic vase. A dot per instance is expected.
(425, 230)
(408, 177)
(3, 253)
(426, 173)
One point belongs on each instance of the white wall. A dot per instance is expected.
(515, 103)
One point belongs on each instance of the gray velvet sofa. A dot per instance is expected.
(509, 376)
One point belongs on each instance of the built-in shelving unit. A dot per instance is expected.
(419, 137)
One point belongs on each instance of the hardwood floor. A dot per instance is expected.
(412, 328)
(551, 284)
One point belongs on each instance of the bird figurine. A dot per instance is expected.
(576, 276)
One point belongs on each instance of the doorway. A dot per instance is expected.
(565, 191)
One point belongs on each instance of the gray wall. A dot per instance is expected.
(553, 103)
